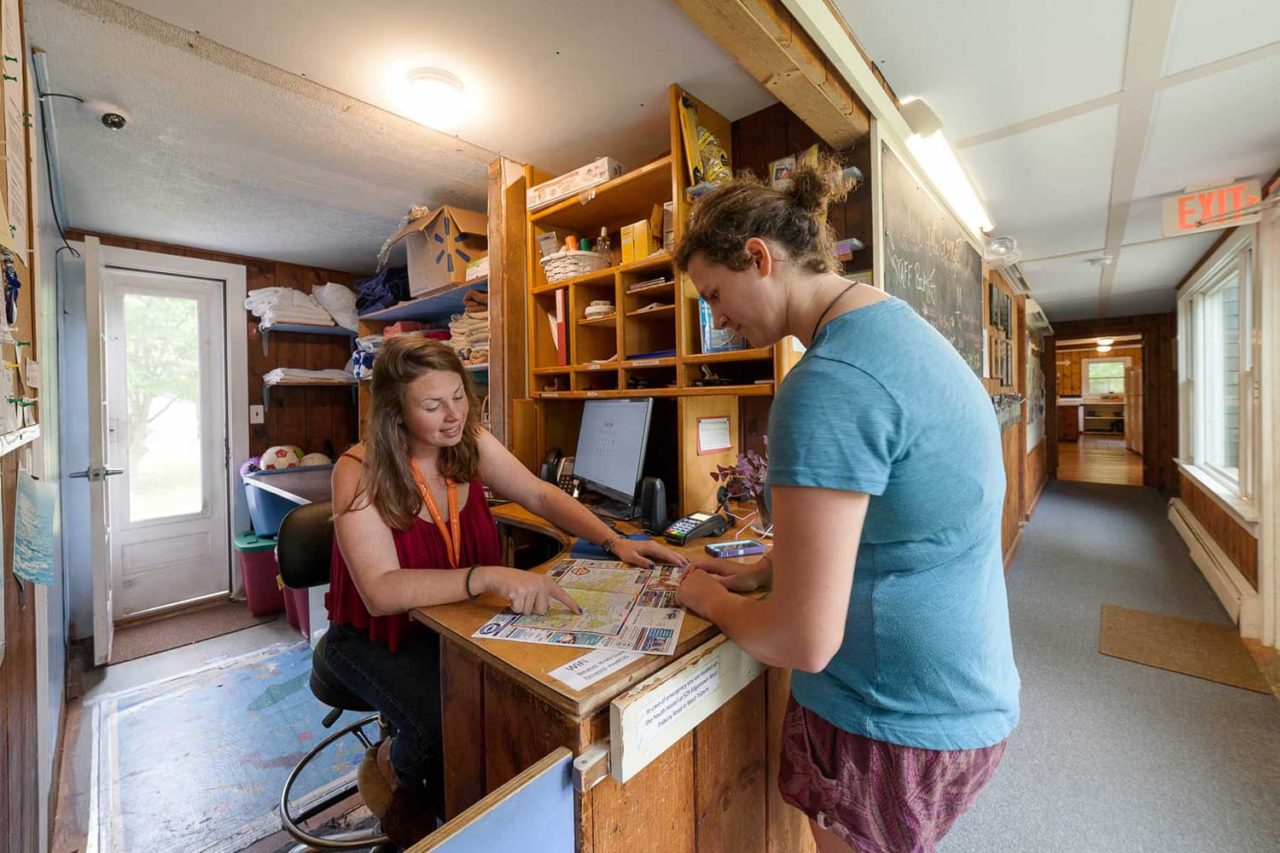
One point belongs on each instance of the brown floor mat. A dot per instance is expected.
(160, 635)
(1212, 652)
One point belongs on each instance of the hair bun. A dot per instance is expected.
(815, 186)
(808, 190)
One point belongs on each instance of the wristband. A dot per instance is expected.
(607, 545)
(467, 582)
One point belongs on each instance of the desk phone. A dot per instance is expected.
(695, 526)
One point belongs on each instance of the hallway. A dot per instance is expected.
(1099, 459)
(1112, 755)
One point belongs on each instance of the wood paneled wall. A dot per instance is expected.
(1238, 544)
(316, 419)
(1070, 366)
(1036, 474)
(776, 132)
(1159, 384)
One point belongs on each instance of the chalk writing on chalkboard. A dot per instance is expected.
(929, 263)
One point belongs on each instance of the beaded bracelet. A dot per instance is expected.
(467, 582)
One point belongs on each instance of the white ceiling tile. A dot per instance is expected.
(1061, 279)
(1208, 30)
(1143, 302)
(1064, 310)
(1145, 220)
(1049, 187)
(985, 64)
(554, 85)
(1159, 265)
(1214, 129)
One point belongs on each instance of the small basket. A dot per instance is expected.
(565, 264)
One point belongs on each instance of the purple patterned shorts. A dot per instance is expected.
(877, 796)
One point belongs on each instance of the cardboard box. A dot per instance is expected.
(637, 242)
(441, 244)
(478, 269)
(582, 178)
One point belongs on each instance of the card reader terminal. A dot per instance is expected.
(695, 526)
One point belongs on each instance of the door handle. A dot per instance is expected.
(94, 475)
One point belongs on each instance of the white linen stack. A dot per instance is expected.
(339, 301)
(295, 375)
(276, 305)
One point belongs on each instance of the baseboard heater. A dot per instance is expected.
(1241, 600)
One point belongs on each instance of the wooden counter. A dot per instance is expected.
(714, 790)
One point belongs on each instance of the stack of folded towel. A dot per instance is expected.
(274, 305)
(469, 335)
(339, 301)
(292, 375)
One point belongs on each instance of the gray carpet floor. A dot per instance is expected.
(1113, 755)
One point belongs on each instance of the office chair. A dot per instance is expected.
(303, 548)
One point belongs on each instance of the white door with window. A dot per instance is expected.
(167, 430)
(163, 335)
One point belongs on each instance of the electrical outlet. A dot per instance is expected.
(257, 415)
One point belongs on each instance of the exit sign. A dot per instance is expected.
(1213, 207)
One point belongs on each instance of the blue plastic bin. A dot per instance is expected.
(266, 510)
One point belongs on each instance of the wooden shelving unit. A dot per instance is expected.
(654, 353)
(436, 307)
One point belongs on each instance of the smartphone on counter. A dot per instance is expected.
(737, 548)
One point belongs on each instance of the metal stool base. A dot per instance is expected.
(340, 840)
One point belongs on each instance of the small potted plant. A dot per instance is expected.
(745, 481)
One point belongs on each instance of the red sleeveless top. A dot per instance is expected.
(419, 547)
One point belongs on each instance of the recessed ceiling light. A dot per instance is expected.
(439, 98)
(1106, 342)
(1104, 347)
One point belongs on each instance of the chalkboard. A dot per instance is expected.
(928, 262)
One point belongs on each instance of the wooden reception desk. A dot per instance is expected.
(702, 786)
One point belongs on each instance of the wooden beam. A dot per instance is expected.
(772, 47)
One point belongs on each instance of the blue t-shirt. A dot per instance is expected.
(881, 403)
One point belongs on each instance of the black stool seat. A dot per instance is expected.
(328, 688)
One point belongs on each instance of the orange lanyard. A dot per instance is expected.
(451, 533)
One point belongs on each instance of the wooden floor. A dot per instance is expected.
(1099, 459)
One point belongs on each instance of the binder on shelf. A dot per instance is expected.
(561, 328)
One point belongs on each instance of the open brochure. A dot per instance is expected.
(623, 607)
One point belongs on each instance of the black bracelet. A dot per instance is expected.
(467, 582)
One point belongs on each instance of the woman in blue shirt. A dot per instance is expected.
(887, 484)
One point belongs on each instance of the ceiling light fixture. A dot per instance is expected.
(929, 146)
(1104, 261)
(1106, 342)
(439, 98)
(1104, 347)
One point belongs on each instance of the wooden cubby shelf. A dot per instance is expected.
(754, 354)
(657, 349)
(625, 199)
(664, 311)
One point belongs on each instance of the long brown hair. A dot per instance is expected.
(795, 218)
(387, 479)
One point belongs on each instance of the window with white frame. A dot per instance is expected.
(1216, 377)
(1104, 376)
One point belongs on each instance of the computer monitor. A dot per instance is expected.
(611, 446)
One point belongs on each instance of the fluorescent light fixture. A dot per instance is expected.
(932, 151)
(437, 98)
(1106, 342)
(1104, 347)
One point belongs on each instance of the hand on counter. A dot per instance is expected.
(699, 591)
(735, 576)
(528, 592)
(645, 552)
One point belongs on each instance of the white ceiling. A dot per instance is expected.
(1030, 95)
(276, 129)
